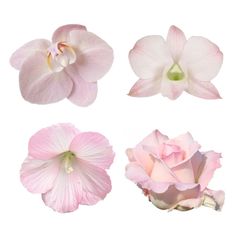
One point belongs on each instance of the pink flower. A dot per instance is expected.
(69, 66)
(173, 173)
(175, 65)
(67, 167)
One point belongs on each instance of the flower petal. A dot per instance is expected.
(38, 175)
(145, 88)
(39, 85)
(94, 181)
(202, 89)
(202, 58)
(93, 148)
(214, 199)
(83, 93)
(52, 141)
(23, 53)
(176, 41)
(149, 57)
(188, 204)
(94, 55)
(211, 164)
(62, 34)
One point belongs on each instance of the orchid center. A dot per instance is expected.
(175, 73)
(59, 56)
(67, 160)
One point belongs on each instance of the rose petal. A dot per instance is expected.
(52, 141)
(149, 57)
(39, 85)
(93, 148)
(145, 88)
(62, 34)
(202, 89)
(211, 164)
(23, 53)
(83, 93)
(94, 55)
(198, 161)
(176, 41)
(202, 58)
(214, 199)
(38, 175)
(188, 204)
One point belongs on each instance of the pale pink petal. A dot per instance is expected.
(176, 41)
(38, 175)
(214, 199)
(202, 58)
(188, 204)
(145, 88)
(94, 55)
(211, 164)
(172, 89)
(173, 195)
(83, 93)
(149, 57)
(95, 182)
(23, 53)
(198, 161)
(202, 89)
(52, 141)
(93, 148)
(62, 34)
(39, 84)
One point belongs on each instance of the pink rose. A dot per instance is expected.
(173, 173)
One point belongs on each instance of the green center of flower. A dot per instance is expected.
(67, 160)
(175, 73)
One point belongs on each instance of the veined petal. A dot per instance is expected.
(176, 41)
(145, 88)
(149, 57)
(40, 85)
(23, 53)
(52, 141)
(202, 58)
(94, 55)
(93, 148)
(202, 89)
(83, 93)
(62, 34)
(38, 175)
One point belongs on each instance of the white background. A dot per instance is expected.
(122, 119)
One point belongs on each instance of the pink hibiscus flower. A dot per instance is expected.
(67, 167)
(175, 65)
(67, 67)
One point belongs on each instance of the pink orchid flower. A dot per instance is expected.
(67, 67)
(173, 173)
(175, 65)
(67, 167)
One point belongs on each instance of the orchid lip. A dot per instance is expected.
(175, 73)
(67, 160)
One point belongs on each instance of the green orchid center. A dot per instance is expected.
(67, 160)
(175, 73)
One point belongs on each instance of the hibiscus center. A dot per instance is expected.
(60, 55)
(67, 160)
(175, 73)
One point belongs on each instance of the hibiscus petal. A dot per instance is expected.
(149, 57)
(62, 33)
(52, 141)
(23, 53)
(38, 175)
(83, 93)
(202, 89)
(93, 148)
(202, 58)
(145, 88)
(39, 85)
(94, 55)
(95, 183)
(176, 41)
(173, 195)
(211, 164)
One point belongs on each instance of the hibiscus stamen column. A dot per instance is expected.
(67, 159)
